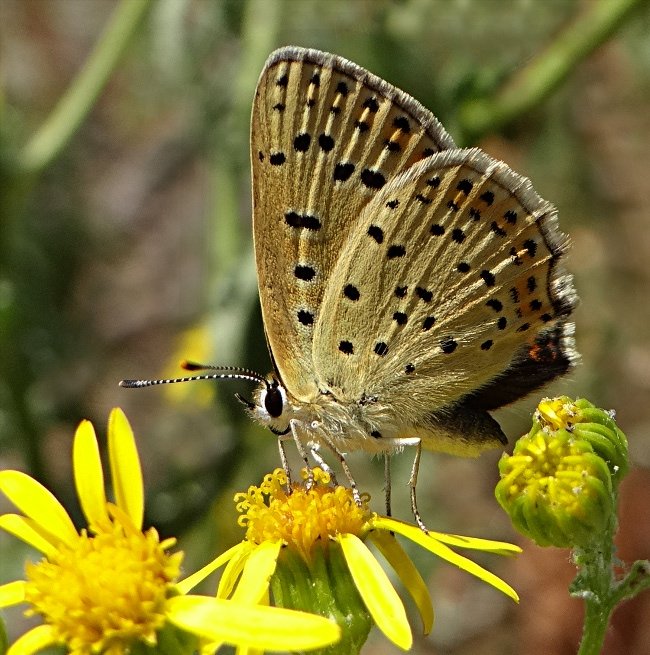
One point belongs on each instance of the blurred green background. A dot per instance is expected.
(125, 246)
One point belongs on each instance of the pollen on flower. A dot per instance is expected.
(106, 590)
(309, 513)
(556, 413)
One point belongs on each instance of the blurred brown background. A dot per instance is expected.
(132, 250)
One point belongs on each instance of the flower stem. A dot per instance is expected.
(78, 100)
(637, 580)
(597, 584)
(595, 626)
(544, 73)
(594, 583)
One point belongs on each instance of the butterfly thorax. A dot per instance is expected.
(325, 417)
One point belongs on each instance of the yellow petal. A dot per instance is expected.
(30, 532)
(487, 545)
(31, 642)
(88, 475)
(233, 569)
(376, 590)
(475, 543)
(252, 626)
(36, 502)
(433, 545)
(409, 575)
(258, 569)
(12, 593)
(191, 581)
(125, 467)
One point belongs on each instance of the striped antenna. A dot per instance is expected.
(221, 373)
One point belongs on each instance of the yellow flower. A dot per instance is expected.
(110, 586)
(559, 485)
(310, 543)
(197, 341)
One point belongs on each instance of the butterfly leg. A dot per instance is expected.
(293, 424)
(412, 484)
(387, 486)
(283, 459)
(315, 453)
(344, 465)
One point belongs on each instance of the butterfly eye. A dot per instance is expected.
(273, 401)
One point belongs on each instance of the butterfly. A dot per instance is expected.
(408, 287)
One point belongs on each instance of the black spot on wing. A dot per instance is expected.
(343, 171)
(376, 233)
(400, 318)
(305, 317)
(326, 142)
(372, 179)
(381, 348)
(304, 272)
(351, 292)
(346, 347)
(448, 345)
(395, 250)
(301, 142)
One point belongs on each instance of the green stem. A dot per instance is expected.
(636, 581)
(597, 584)
(260, 28)
(595, 625)
(539, 78)
(80, 97)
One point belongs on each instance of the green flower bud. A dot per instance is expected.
(559, 484)
(588, 422)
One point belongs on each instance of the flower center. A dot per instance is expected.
(306, 515)
(106, 590)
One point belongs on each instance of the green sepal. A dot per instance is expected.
(323, 586)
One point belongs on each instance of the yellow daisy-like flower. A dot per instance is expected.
(559, 485)
(108, 587)
(326, 566)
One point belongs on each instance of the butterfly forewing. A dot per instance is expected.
(453, 266)
(326, 138)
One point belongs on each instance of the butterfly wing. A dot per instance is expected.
(326, 136)
(459, 305)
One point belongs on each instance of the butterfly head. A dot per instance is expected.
(271, 405)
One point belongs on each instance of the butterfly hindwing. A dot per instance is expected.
(454, 266)
(326, 137)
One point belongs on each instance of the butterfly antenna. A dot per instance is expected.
(189, 365)
(220, 373)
